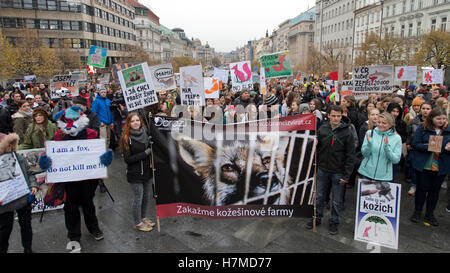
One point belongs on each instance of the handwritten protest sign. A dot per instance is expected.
(378, 213)
(97, 56)
(137, 87)
(406, 73)
(433, 76)
(373, 79)
(277, 65)
(75, 160)
(68, 82)
(192, 86)
(162, 77)
(12, 181)
(221, 74)
(241, 76)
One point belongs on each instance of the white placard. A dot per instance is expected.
(433, 76)
(75, 160)
(192, 90)
(221, 74)
(137, 87)
(162, 77)
(212, 88)
(373, 79)
(241, 76)
(406, 73)
(12, 181)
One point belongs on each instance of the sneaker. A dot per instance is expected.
(412, 191)
(143, 227)
(448, 208)
(74, 247)
(148, 222)
(310, 224)
(431, 220)
(444, 185)
(333, 229)
(98, 235)
(415, 217)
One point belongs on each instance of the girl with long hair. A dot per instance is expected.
(135, 147)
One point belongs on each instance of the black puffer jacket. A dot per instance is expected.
(138, 162)
(336, 149)
(6, 123)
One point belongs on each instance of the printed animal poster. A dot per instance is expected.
(433, 76)
(378, 213)
(277, 65)
(12, 181)
(241, 76)
(162, 77)
(192, 88)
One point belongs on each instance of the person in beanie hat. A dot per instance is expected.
(72, 125)
(39, 131)
(8, 147)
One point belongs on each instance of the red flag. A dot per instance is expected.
(334, 76)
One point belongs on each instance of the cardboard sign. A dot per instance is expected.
(435, 144)
(97, 56)
(75, 160)
(69, 82)
(12, 181)
(192, 88)
(137, 87)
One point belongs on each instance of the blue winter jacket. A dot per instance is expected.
(420, 154)
(379, 157)
(101, 106)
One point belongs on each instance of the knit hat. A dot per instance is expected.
(417, 101)
(271, 100)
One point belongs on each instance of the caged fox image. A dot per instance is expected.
(233, 161)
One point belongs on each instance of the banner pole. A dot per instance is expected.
(315, 181)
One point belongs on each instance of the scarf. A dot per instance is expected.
(26, 114)
(139, 136)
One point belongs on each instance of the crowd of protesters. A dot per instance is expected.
(372, 138)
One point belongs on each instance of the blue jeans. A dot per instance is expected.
(325, 180)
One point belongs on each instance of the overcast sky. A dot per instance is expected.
(226, 24)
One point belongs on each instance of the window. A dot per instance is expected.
(433, 24)
(97, 12)
(9, 22)
(43, 24)
(412, 5)
(394, 7)
(51, 4)
(65, 25)
(63, 6)
(420, 4)
(75, 25)
(54, 25)
(29, 23)
(67, 43)
(42, 4)
(410, 30)
(419, 28)
(444, 24)
(28, 4)
(436, 2)
(404, 7)
(387, 11)
(76, 43)
(402, 32)
(52, 42)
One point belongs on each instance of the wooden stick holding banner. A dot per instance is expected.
(315, 182)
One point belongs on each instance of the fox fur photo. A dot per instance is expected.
(233, 164)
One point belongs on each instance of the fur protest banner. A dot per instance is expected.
(373, 79)
(162, 77)
(192, 90)
(262, 168)
(276, 65)
(12, 181)
(241, 76)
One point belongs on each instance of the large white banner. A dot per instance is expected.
(433, 76)
(406, 73)
(75, 160)
(221, 74)
(192, 90)
(137, 87)
(162, 77)
(12, 181)
(373, 79)
(212, 90)
(241, 76)
(378, 213)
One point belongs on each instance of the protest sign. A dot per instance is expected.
(97, 56)
(75, 160)
(433, 76)
(406, 73)
(207, 175)
(162, 77)
(32, 157)
(299, 79)
(373, 79)
(105, 78)
(31, 78)
(212, 90)
(69, 82)
(241, 76)
(117, 67)
(378, 213)
(276, 65)
(221, 74)
(192, 90)
(12, 180)
(262, 82)
(137, 87)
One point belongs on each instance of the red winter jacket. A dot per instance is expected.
(85, 134)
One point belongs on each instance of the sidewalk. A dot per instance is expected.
(191, 235)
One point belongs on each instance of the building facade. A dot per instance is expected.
(367, 19)
(301, 37)
(77, 26)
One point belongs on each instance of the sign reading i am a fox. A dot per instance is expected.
(373, 79)
(276, 65)
(241, 76)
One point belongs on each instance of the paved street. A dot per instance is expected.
(190, 235)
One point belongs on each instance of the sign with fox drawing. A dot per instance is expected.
(241, 76)
(276, 65)
(261, 168)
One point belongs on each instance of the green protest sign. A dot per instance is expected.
(276, 65)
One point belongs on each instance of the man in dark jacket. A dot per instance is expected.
(13, 103)
(336, 159)
(6, 123)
